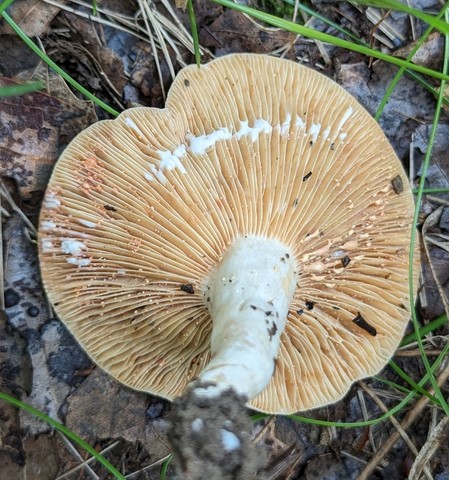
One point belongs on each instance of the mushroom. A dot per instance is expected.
(250, 236)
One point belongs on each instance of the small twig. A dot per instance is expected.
(395, 423)
(428, 449)
(284, 464)
(144, 469)
(412, 22)
(7, 196)
(85, 463)
(366, 417)
(146, 19)
(270, 421)
(417, 353)
(412, 415)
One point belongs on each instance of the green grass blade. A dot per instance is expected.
(393, 385)
(15, 90)
(419, 195)
(164, 468)
(402, 7)
(397, 408)
(417, 77)
(258, 416)
(61, 428)
(401, 71)
(326, 38)
(4, 5)
(428, 86)
(423, 331)
(54, 66)
(325, 20)
(194, 30)
(416, 387)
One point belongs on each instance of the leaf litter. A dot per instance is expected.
(39, 360)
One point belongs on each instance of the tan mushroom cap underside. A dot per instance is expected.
(140, 209)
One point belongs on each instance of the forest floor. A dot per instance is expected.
(40, 362)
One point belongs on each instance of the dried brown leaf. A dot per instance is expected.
(101, 408)
(233, 32)
(33, 16)
(34, 127)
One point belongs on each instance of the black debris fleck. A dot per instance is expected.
(362, 323)
(397, 184)
(300, 311)
(188, 288)
(345, 261)
(295, 203)
(332, 146)
(287, 255)
(12, 298)
(309, 305)
(186, 82)
(306, 177)
(253, 307)
(110, 208)
(268, 313)
(33, 311)
(272, 331)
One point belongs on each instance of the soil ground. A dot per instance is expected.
(43, 365)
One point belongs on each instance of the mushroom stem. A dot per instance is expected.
(248, 295)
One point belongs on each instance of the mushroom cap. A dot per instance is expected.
(139, 209)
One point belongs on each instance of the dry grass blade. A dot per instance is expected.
(283, 466)
(410, 418)
(366, 417)
(417, 353)
(122, 23)
(13, 205)
(137, 474)
(153, 47)
(179, 32)
(432, 239)
(395, 423)
(382, 23)
(172, 31)
(84, 463)
(149, 17)
(269, 423)
(437, 438)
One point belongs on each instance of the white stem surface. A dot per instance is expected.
(248, 295)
